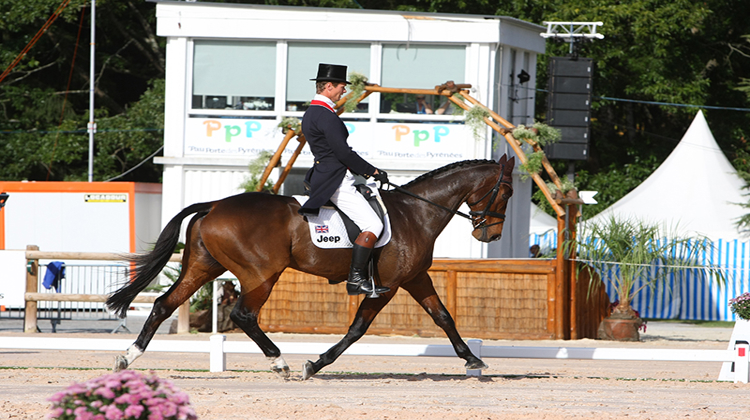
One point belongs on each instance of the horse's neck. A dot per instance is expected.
(448, 191)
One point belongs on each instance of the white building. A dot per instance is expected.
(234, 71)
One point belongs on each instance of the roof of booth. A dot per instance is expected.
(696, 189)
(364, 11)
(240, 21)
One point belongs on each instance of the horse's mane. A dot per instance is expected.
(449, 167)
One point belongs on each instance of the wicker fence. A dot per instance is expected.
(490, 299)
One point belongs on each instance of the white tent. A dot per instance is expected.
(696, 190)
(540, 222)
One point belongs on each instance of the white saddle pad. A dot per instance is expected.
(327, 229)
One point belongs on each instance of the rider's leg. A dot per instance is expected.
(356, 207)
(359, 276)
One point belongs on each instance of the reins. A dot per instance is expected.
(477, 218)
(411, 194)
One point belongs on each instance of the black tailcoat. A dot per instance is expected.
(326, 134)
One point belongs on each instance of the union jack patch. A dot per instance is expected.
(321, 229)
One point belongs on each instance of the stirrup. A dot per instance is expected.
(365, 287)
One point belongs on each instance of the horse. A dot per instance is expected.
(256, 236)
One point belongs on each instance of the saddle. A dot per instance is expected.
(331, 228)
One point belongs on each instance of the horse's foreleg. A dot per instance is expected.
(245, 316)
(423, 291)
(191, 279)
(366, 313)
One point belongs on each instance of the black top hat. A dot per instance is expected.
(331, 73)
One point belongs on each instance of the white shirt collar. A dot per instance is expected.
(325, 99)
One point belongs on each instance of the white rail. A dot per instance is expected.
(217, 348)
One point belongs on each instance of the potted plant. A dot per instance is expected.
(631, 255)
(740, 306)
(125, 395)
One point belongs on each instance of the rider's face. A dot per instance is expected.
(336, 91)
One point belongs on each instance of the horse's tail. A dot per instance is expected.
(149, 265)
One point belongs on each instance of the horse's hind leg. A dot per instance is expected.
(423, 291)
(366, 313)
(245, 316)
(199, 269)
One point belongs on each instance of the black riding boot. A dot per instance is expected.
(359, 279)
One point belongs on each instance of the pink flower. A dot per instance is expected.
(82, 413)
(105, 392)
(155, 415)
(134, 411)
(113, 413)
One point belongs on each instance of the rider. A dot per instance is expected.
(332, 174)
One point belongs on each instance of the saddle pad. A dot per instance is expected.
(327, 229)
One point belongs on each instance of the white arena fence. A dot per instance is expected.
(686, 295)
(217, 348)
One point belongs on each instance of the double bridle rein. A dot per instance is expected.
(478, 218)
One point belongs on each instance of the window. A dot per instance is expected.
(420, 66)
(234, 75)
(303, 60)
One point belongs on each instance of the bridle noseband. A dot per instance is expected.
(479, 218)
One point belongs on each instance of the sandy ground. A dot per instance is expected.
(357, 387)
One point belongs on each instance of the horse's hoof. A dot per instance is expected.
(477, 364)
(282, 371)
(121, 363)
(307, 370)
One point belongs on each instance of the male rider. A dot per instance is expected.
(332, 175)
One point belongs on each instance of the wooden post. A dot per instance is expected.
(353, 307)
(183, 318)
(275, 159)
(32, 282)
(574, 303)
(451, 289)
(290, 163)
(516, 146)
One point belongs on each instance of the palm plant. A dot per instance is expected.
(632, 255)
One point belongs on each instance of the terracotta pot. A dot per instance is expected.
(620, 329)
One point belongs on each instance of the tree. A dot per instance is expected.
(35, 104)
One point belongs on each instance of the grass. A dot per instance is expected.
(707, 324)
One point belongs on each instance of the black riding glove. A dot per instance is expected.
(381, 177)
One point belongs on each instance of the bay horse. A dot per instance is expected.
(256, 236)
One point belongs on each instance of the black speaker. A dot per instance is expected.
(569, 106)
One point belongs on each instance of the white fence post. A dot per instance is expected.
(742, 363)
(217, 357)
(476, 347)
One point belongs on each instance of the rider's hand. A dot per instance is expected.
(381, 176)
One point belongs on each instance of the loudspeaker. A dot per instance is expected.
(569, 106)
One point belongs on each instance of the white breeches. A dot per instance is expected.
(354, 205)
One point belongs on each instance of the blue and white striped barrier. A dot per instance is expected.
(687, 296)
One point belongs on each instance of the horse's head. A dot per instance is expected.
(489, 201)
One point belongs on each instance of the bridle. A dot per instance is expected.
(478, 218)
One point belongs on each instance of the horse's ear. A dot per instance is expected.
(503, 159)
(509, 164)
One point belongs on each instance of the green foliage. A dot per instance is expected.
(257, 166)
(741, 306)
(539, 132)
(639, 251)
(290, 123)
(357, 88)
(202, 298)
(475, 120)
(541, 201)
(34, 143)
(533, 165)
(613, 183)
